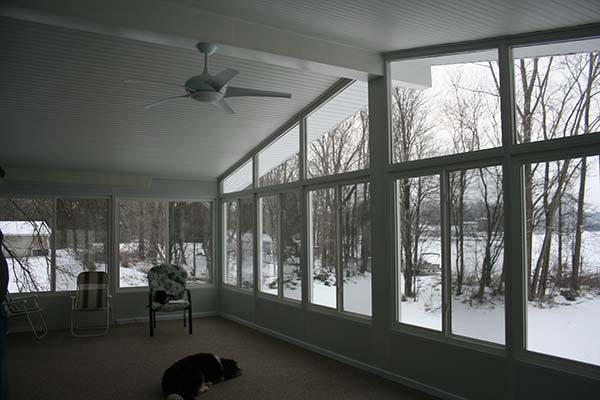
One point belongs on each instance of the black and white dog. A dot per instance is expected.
(195, 374)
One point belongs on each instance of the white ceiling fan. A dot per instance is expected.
(208, 88)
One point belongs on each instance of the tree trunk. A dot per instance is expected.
(154, 227)
(460, 236)
(406, 236)
(141, 237)
(576, 262)
(559, 267)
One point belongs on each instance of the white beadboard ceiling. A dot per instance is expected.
(64, 105)
(386, 25)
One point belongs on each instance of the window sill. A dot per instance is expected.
(281, 300)
(556, 363)
(236, 289)
(332, 312)
(493, 349)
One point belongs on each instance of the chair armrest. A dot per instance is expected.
(189, 295)
(22, 298)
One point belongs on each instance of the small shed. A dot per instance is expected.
(26, 238)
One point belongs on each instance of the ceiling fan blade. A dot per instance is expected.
(218, 81)
(225, 106)
(153, 82)
(233, 91)
(166, 100)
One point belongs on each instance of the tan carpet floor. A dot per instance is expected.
(128, 364)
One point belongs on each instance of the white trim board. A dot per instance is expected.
(347, 360)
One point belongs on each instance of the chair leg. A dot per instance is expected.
(190, 318)
(77, 331)
(44, 329)
(184, 317)
(150, 321)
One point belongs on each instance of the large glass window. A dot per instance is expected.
(247, 242)
(81, 239)
(230, 242)
(323, 259)
(340, 247)
(291, 245)
(190, 243)
(445, 105)
(269, 245)
(477, 253)
(280, 243)
(419, 251)
(241, 179)
(27, 228)
(562, 232)
(141, 240)
(356, 247)
(556, 90)
(338, 133)
(279, 162)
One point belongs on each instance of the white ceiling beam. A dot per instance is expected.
(180, 25)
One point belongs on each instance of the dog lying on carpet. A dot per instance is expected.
(195, 374)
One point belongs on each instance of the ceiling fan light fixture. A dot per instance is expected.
(212, 89)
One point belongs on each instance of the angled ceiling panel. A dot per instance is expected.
(384, 25)
(64, 105)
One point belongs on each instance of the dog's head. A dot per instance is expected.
(230, 368)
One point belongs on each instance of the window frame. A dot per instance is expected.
(223, 253)
(166, 200)
(511, 156)
(54, 198)
(339, 308)
(272, 141)
(239, 166)
(280, 290)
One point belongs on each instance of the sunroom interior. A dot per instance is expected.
(425, 208)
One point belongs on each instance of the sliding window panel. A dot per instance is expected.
(477, 253)
(230, 242)
(279, 163)
(562, 232)
(356, 248)
(338, 133)
(419, 251)
(556, 90)
(141, 240)
(190, 244)
(27, 228)
(81, 239)
(444, 105)
(269, 245)
(323, 259)
(291, 234)
(247, 237)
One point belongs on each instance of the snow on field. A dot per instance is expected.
(38, 267)
(562, 328)
(570, 330)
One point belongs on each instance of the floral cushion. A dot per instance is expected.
(170, 278)
(173, 305)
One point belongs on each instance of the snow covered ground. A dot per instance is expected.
(563, 328)
(134, 274)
